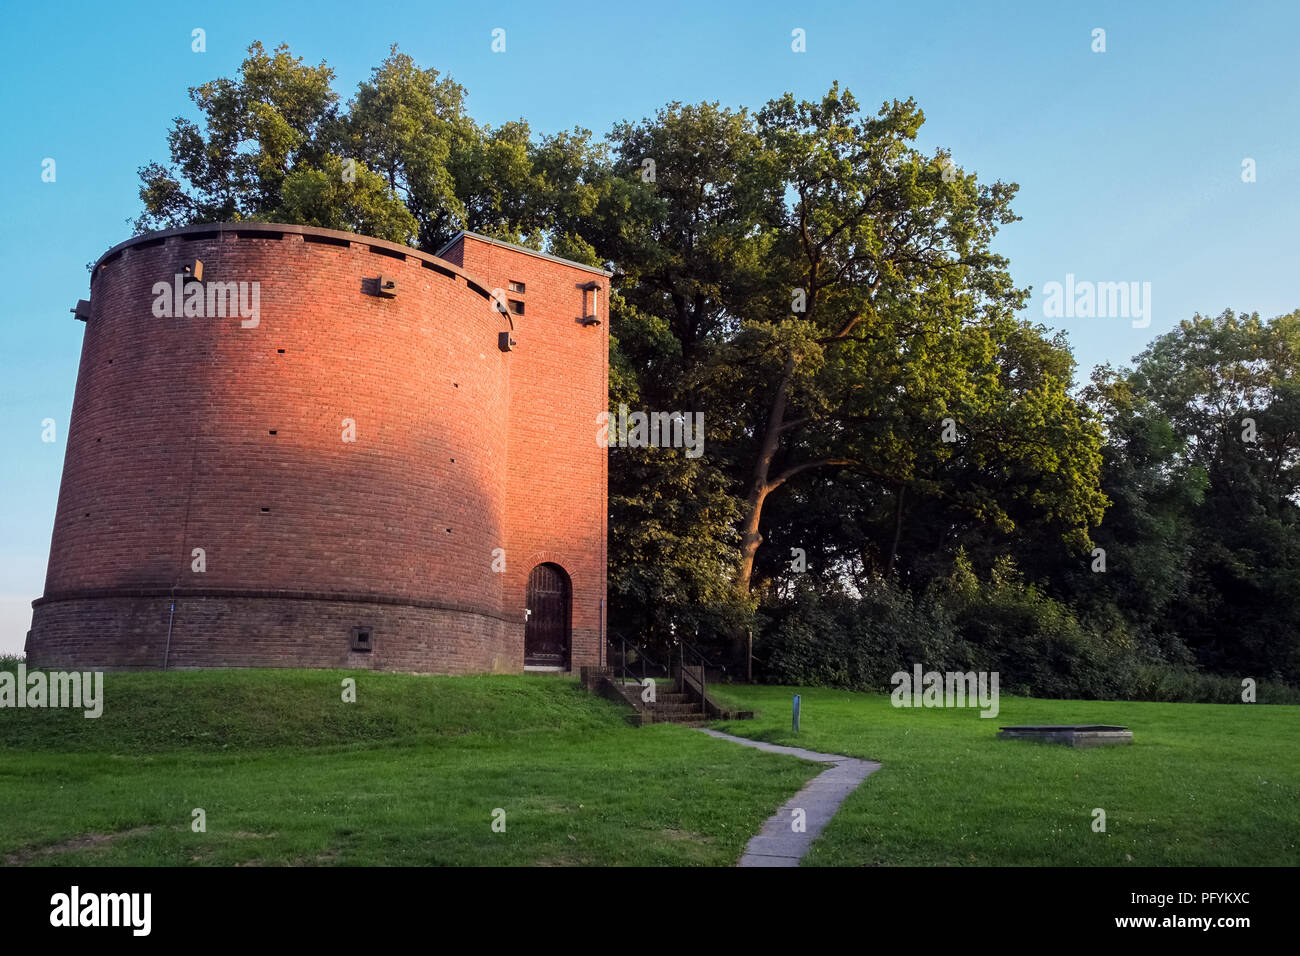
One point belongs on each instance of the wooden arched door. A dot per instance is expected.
(546, 632)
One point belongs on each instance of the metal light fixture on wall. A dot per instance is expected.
(592, 317)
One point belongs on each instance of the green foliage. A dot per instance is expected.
(256, 129)
(673, 540)
(272, 140)
(837, 641)
(1039, 646)
(405, 123)
(832, 298)
(1203, 545)
(364, 202)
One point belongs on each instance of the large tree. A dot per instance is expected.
(275, 116)
(401, 160)
(834, 299)
(1228, 389)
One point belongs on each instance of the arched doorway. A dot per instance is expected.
(546, 632)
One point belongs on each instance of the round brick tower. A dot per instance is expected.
(291, 447)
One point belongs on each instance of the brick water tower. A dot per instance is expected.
(295, 447)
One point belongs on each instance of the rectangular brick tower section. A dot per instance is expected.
(556, 495)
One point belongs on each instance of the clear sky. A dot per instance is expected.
(1129, 161)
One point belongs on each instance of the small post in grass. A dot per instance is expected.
(796, 713)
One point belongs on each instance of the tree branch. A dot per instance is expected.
(805, 466)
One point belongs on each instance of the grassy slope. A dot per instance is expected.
(409, 774)
(1203, 784)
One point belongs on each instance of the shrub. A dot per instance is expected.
(1039, 646)
(840, 641)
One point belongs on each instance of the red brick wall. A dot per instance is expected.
(169, 449)
(124, 633)
(557, 474)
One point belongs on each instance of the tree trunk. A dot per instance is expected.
(750, 538)
(760, 485)
(898, 530)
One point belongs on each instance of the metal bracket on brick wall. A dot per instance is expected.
(386, 286)
(81, 310)
(193, 270)
(506, 341)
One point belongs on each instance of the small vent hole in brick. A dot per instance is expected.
(361, 639)
(279, 351)
(266, 510)
(272, 431)
(449, 531)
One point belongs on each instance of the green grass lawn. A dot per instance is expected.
(1202, 784)
(412, 772)
(409, 774)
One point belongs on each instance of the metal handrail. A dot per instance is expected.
(642, 655)
(704, 664)
(683, 649)
(703, 660)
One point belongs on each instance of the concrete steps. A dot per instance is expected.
(670, 705)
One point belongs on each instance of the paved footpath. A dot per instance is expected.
(777, 844)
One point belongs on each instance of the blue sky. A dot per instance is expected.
(1129, 161)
